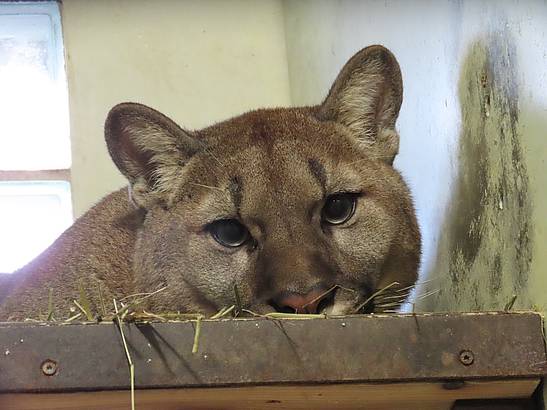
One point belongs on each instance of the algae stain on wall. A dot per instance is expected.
(485, 249)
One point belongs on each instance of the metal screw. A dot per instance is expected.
(467, 357)
(49, 367)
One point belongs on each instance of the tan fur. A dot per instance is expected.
(271, 170)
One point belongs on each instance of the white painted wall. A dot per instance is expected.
(198, 62)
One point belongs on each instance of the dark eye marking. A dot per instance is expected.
(229, 232)
(236, 191)
(318, 171)
(339, 208)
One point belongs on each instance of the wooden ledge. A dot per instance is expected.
(315, 362)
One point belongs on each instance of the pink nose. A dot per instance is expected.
(298, 303)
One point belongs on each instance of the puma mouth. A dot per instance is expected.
(363, 304)
(331, 305)
(327, 302)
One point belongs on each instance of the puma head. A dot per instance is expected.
(293, 209)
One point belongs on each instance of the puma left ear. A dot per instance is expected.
(149, 149)
(366, 98)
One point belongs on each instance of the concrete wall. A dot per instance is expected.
(473, 131)
(198, 62)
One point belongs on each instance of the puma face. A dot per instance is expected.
(295, 209)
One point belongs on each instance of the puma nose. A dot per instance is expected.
(298, 303)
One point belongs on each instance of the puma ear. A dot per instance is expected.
(366, 98)
(149, 149)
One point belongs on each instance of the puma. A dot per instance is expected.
(284, 204)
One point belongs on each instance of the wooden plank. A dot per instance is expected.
(242, 352)
(409, 396)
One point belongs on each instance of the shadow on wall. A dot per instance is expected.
(484, 249)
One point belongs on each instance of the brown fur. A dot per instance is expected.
(272, 170)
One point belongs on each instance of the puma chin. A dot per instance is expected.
(298, 209)
(292, 209)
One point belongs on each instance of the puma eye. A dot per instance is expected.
(338, 208)
(229, 232)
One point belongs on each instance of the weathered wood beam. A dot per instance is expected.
(431, 359)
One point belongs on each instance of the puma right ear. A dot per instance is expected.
(149, 149)
(366, 98)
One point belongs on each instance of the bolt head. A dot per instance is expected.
(467, 357)
(49, 367)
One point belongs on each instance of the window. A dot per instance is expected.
(35, 198)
